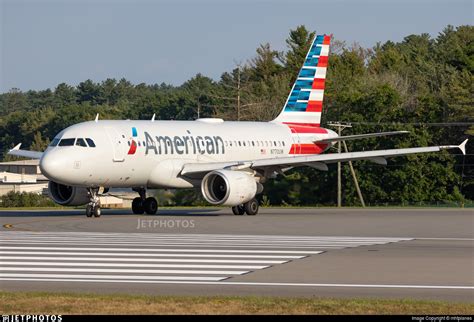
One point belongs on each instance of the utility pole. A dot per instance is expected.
(339, 179)
(341, 127)
(356, 182)
(238, 93)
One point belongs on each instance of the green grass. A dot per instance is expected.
(69, 303)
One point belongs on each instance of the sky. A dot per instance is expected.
(47, 42)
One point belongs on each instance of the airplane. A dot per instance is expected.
(229, 161)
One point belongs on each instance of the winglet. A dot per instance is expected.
(462, 146)
(17, 147)
(153, 117)
(97, 117)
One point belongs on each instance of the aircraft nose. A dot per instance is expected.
(50, 166)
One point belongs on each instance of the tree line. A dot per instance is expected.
(420, 84)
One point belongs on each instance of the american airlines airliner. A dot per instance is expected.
(229, 161)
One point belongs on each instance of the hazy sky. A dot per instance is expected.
(44, 43)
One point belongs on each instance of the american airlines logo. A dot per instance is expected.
(186, 144)
(133, 143)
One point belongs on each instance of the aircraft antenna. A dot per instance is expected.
(153, 117)
(97, 118)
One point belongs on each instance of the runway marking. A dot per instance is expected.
(164, 260)
(178, 250)
(109, 270)
(130, 265)
(158, 255)
(150, 258)
(446, 287)
(148, 279)
(281, 246)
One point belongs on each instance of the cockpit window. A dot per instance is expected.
(54, 142)
(81, 142)
(90, 142)
(66, 142)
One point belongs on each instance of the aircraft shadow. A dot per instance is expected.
(107, 212)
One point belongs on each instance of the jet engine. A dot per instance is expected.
(228, 188)
(67, 195)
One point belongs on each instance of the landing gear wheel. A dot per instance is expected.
(251, 207)
(89, 210)
(238, 210)
(97, 212)
(150, 206)
(137, 206)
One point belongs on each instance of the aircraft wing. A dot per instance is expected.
(25, 153)
(318, 161)
(359, 136)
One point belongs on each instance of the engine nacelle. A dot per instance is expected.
(228, 188)
(67, 195)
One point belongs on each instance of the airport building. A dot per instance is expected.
(26, 176)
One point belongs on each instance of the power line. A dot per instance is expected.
(415, 123)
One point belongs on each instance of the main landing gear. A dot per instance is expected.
(93, 207)
(143, 204)
(250, 208)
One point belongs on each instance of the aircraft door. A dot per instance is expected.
(117, 144)
(296, 149)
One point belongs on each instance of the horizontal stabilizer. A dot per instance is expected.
(359, 136)
(24, 153)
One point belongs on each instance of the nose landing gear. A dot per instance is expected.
(143, 204)
(93, 207)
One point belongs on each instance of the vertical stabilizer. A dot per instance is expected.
(305, 103)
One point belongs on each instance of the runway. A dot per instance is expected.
(283, 252)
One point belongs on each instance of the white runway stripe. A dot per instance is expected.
(188, 240)
(155, 258)
(270, 245)
(155, 254)
(158, 260)
(62, 264)
(137, 271)
(178, 250)
(151, 236)
(114, 277)
(196, 236)
(283, 284)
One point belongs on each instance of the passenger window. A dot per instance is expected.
(66, 142)
(54, 142)
(81, 142)
(90, 142)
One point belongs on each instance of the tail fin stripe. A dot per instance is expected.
(318, 83)
(304, 104)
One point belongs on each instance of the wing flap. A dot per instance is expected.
(318, 161)
(359, 136)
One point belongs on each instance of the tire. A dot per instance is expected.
(238, 210)
(137, 206)
(97, 211)
(251, 207)
(89, 211)
(150, 206)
